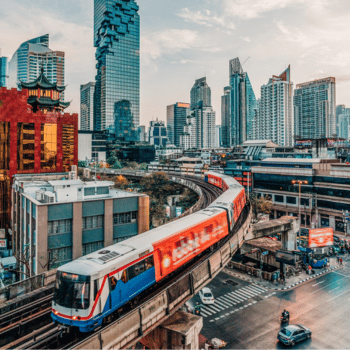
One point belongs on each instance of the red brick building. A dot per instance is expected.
(42, 142)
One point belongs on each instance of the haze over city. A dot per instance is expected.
(181, 41)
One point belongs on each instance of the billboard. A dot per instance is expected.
(3, 243)
(320, 237)
(215, 180)
(174, 251)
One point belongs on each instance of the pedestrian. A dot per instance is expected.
(338, 260)
(341, 261)
(309, 270)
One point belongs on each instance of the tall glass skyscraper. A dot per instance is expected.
(3, 71)
(237, 122)
(33, 55)
(117, 90)
(87, 93)
(200, 93)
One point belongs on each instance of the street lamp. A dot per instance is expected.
(346, 219)
(300, 183)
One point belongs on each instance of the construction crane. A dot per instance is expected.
(245, 60)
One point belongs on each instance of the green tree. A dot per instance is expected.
(117, 165)
(112, 160)
(260, 205)
(188, 200)
(121, 182)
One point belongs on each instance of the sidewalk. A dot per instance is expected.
(290, 282)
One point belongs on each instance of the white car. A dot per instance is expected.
(206, 296)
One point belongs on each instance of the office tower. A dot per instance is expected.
(3, 70)
(200, 92)
(157, 134)
(238, 103)
(87, 92)
(275, 117)
(176, 120)
(344, 123)
(30, 57)
(340, 109)
(315, 109)
(218, 136)
(142, 133)
(255, 130)
(117, 90)
(199, 131)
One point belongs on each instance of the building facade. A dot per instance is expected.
(218, 136)
(157, 134)
(237, 109)
(344, 124)
(92, 146)
(117, 90)
(200, 93)
(87, 93)
(275, 118)
(340, 109)
(32, 142)
(59, 220)
(176, 120)
(315, 109)
(30, 57)
(3, 71)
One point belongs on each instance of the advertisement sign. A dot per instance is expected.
(179, 248)
(167, 211)
(215, 180)
(289, 258)
(320, 237)
(179, 211)
(3, 243)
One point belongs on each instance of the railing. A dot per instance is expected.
(126, 331)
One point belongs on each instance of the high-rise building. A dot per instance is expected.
(142, 133)
(238, 104)
(87, 92)
(200, 92)
(3, 71)
(275, 118)
(315, 109)
(157, 134)
(340, 109)
(117, 90)
(176, 120)
(344, 124)
(218, 136)
(30, 57)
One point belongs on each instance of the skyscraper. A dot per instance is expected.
(3, 71)
(157, 134)
(176, 120)
(340, 109)
(238, 109)
(117, 90)
(315, 109)
(275, 118)
(30, 57)
(87, 92)
(200, 92)
(344, 124)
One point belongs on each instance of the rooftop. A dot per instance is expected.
(292, 160)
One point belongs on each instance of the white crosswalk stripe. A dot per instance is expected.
(230, 299)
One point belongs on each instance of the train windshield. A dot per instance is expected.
(72, 291)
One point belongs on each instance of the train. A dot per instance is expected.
(90, 290)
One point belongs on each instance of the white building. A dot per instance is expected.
(87, 106)
(157, 134)
(275, 121)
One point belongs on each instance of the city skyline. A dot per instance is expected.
(311, 36)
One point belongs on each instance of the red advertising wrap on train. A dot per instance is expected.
(215, 180)
(321, 237)
(176, 250)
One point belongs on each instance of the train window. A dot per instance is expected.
(95, 289)
(136, 270)
(143, 254)
(124, 276)
(113, 282)
(149, 263)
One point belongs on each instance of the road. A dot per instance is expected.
(246, 316)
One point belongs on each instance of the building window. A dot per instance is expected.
(59, 227)
(33, 210)
(120, 239)
(59, 257)
(291, 200)
(304, 202)
(89, 191)
(91, 222)
(102, 190)
(89, 248)
(125, 218)
(279, 199)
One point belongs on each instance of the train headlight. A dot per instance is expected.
(56, 312)
(74, 318)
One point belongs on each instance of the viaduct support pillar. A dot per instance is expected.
(180, 331)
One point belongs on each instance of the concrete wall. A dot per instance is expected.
(108, 224)
(77, 249)
(42, 238)
(143, 214)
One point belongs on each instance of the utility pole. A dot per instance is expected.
(300, 183)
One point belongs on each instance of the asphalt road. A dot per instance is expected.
(246, 316)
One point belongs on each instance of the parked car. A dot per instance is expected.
(293, 334)
(206, 296)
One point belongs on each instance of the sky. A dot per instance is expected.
(185, 40)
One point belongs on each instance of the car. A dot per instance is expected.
(336, 239)
(206, 296)
(293, 334)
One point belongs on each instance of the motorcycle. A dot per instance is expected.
(284, 318)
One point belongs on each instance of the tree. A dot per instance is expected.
(81, 164)
(121, 182)
(117, 165)
(188, 200)
(112, 160)
(260, 205)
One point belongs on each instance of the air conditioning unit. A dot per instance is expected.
(72, 175)
(49, 197)
(74, 168)
(39, 195)
(87, 173)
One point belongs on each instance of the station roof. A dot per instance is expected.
(292, 160)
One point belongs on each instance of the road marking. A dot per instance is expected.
(231, 299)
(327, 286)
(338, 273)
(339, 295)
(318, 283)
(206, 313)
(237, 297)
(250, 292)
(335, 288)
(221, 302)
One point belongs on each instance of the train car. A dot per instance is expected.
(88, 290)
(214, 179)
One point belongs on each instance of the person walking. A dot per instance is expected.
(338, 260)
(309, 270)
(341, 261)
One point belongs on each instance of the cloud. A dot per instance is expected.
(206, 18)
(249, 9)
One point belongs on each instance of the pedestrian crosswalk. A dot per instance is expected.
(231, 299)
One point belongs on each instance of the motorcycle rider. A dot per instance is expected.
(285, 314)
(197, 308)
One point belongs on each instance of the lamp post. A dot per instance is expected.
(345, 221)
(300, 183)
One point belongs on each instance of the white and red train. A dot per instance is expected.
(91, 288)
